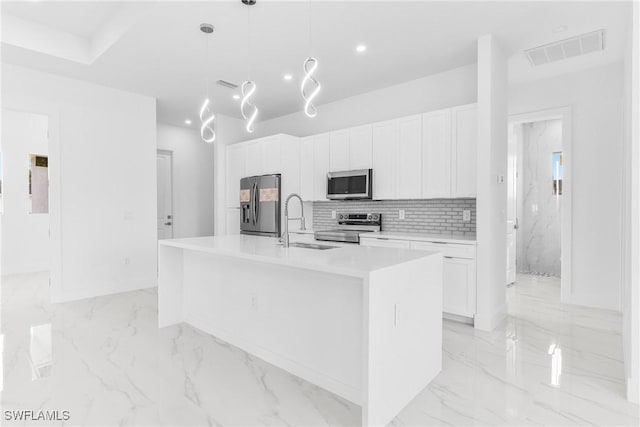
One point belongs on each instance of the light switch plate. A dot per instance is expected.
(401, 214)
(466, 215)
(333, 214)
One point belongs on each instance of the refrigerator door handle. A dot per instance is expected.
(255, 203)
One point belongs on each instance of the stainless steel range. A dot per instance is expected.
(350, 225)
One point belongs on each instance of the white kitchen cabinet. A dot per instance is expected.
(459, 293)
(254, 158)
(270, 155)
(409, 178)
(289, 166)
(321, 161)
(360, 148)
(384, 242)
(306, 169)
(385, 159)
(339, 150)
(235, 165)
(464, 125)
(232, 221)
(436, 154)
(459, 276)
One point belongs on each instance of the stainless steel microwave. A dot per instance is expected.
(349, 185)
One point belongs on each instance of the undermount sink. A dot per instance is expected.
(311, 246)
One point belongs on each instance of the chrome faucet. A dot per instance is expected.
(285, 235)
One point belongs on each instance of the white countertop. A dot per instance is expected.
(355, 260)
(429, 237)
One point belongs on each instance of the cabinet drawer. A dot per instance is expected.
(452, 250)
(385, 243)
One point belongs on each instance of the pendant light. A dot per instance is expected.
(309, 66)
(248, 110)
(207, 125)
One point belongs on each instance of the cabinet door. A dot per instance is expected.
(409, 184)
(436, 154)
(459, 286)
(290, 166)
(384, 243)
(271, 156)
(235, 168)
(385, 159)
(232, 221)
(464, 151)
(360, 151)
(321, 150)
(254, 158)
(339, 152)
(306, 168)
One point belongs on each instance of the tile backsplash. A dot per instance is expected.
(438, 216)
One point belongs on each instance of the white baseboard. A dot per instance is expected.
(488, 322)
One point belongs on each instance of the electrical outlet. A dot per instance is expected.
(333, 214)
(127, 261)
(401, 214)
(466, 215)
(254, 303)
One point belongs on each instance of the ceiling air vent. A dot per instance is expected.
(227, 84)
(567, 48)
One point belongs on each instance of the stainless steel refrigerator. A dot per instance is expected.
(260, 205)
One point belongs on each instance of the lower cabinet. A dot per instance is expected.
(459, 295)
(459, 271)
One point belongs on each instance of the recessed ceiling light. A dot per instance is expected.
(236, 96)
(288, 77)
(560, 29)
(361, 48)
(187, 122)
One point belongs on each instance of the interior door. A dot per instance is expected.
(165, 197)
(512, 220)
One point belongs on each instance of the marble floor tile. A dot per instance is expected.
(105, 361)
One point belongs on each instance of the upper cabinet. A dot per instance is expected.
(436, 154)
(360, 148)
(464, 124)
(307, 171)
(385, 159)
(321, 165)
(339, 150)
(409, 181)
(236, 162)
(425, 156)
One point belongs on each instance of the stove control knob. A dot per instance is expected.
(369, 217)
(340, 216)
(375, 217)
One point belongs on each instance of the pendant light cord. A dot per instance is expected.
(248, 42)
(309, 25)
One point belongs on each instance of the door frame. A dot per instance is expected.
(566, 260)
(168, 153)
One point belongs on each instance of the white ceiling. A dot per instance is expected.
(161, 52)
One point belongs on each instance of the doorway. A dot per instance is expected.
(539, 202)
(164, 167)
(24, 193)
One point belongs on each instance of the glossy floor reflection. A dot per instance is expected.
(106, 361)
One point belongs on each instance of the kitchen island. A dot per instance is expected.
(362, 322)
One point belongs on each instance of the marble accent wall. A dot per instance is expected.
(539, 234)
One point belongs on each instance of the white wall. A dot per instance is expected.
(491, 201)
(193, 176)
(595, 99)
(26, 235)
(631, 205)
(447, 89)
(102, 167)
